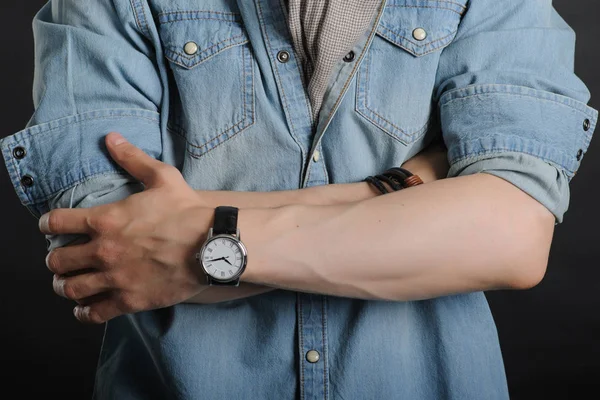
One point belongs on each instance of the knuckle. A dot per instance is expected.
(107, 252)
(106, 222)
(127, 303)
(129, 152)
(113, 279)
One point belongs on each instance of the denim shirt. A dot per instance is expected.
(493, 79)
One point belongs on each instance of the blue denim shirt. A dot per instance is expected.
(493, 78)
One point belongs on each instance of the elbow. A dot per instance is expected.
(528, 277)
(530, 259)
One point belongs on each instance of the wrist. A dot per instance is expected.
(261, 231)
(255, 230)
(430, 168)
(209, 198)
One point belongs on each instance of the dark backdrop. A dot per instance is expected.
(550, 335)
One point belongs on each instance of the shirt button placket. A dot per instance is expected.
(313, 345)
(316, 169)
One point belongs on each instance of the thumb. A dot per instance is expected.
(134, 160)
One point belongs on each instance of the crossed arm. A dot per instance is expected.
(453, 235)
(460, 234)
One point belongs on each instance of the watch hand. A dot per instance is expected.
(221, 258)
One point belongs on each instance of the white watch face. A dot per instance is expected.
(223, 258)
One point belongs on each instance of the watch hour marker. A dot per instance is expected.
(209, 250)
(222, 273)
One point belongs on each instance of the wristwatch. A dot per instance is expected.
(223, 256)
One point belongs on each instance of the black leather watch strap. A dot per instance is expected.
(215, 282)
(225, 220)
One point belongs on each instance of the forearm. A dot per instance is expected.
(430, 165)
(462, 234)
(319, 195)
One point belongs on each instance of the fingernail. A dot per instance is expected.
(80, 312)
(59, 285)
(43, 223)
(47, 257)
(116, 138)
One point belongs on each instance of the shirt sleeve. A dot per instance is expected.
(95, 72)
(510, 103)
(98, 190)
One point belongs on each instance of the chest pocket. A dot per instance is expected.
(212, 65)
(395, 82)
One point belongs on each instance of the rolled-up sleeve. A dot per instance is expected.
(96, 191)
(510, 103)
(95, 72)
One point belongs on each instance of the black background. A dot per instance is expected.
(550, 335)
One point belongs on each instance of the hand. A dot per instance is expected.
(141, 255)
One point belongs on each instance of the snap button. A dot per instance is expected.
(349, 57)
(190, 48)
(19, 152)
(312, 356)
(27, 181)
(316, 156)
(579, 154)
(283, 56)
(586, 125)
(419, 34)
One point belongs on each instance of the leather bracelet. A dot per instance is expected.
(376, 183)
(394, 183)
(407, 178)
(397, 177)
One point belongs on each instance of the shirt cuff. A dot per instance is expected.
(488, 119)
(539, 179)
(99, 190)
(45, 159)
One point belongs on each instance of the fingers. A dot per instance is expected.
(64, 260)
(135, 161)
(98, 312)
(65, 220)
(95, 298)
(81, 286)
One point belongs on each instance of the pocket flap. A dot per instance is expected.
(420, 26)
(191, 37)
